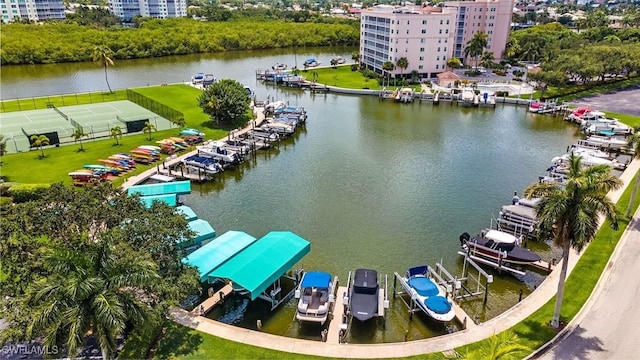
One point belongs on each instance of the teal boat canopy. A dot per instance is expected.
(217, 252)
(265, 261)
(188, 212)
(176, 187)
(170, 199)
(202, 228)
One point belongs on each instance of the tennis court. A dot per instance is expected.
(96, 120)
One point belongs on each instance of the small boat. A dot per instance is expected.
(208, 80)
(279, 66)
(279, 128)
(339, 60)
(249, 91)
(208, 165)
(405, 95)
(191, 132)
(215, 150)
(311, 62)
(429, 296)
(315, 295)
(468, 95)
(197, 78)
(606, 141)
(535, 106)
(363, 294)
(498, 247)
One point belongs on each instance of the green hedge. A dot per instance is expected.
(27, 192)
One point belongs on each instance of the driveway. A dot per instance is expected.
(625, 101)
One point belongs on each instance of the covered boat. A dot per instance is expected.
(425, 293)
(363, 294)
(315, 295)
(497, 246)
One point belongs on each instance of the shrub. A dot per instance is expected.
(502, 93)
(4, 188)
(141, 339)
(354, 67)
(27, 192)
(5, 201)
(369, 73)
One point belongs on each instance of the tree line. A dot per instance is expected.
(69, 42)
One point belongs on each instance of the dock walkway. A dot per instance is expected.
(333, 336)
(211, 302)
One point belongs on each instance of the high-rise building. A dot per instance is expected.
(33, 10)
(160, 9)
(429, 36)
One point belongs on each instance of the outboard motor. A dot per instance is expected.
(464, 238)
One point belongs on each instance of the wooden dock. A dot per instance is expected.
(462, 317)
(209, 303)
(333, 335)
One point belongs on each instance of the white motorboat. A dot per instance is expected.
(427, 294)
(606, 141)
(588, 160)
(214, 150)
(315, 294)
(278, 127)
(468, 95)
(405, 95)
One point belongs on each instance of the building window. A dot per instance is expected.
(407, 31)
(440, 22)
(438, 49)
(421, 58)
(424, 31)
(445, 49)
(437, 58)
(421, 49)
(420, 67)
(422, 41)
(424, 22)
(439, 41)
(440, 32)
(446, 31)
(437, 67)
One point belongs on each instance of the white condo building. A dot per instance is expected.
(33, 10)
(429, 36)
(159, 9)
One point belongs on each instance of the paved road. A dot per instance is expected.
(608, 327)
(621, 101)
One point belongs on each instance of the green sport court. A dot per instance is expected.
(96, 120)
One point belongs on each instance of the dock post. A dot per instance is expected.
(394, 286)
(486, 291)
(520, 296)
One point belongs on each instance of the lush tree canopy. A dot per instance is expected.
(226, 101)
(97, 256)
(63, 42)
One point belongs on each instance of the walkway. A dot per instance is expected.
(545, 292)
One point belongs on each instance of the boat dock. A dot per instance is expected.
(337, 318)
(212, 301)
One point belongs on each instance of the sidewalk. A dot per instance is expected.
(545, 292)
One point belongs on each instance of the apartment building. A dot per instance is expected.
(160, 9)
(33, 10)
(429, 36)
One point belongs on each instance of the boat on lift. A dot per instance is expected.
(498, 247)
(315, 295)
(427, 294)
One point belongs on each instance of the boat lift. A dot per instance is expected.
(347, 317)
(501, 264)
(480, 289)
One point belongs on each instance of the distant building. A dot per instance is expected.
(429, 36)
(159, 9)
(33, 10)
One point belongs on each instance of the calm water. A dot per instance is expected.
(368, 183)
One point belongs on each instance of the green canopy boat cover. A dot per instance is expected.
(188, 212)
(262, 263)
(170, 199)
(176, 187)
(218, 251)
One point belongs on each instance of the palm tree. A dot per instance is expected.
(487, 59)
(78, 134)
(502, 346)
(571, 213)
(355, 56)
(102, 55)
(403, 64)
(388, 66)
(148, 128)
(116, 132)
(89, 291)
(634, 143)
(476, 46)
(454, 63)
(39, 141)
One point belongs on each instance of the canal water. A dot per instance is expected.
(370, 184)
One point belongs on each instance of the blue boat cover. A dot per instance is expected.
(316, 279)
(438, 304)
(423, 286)
(188, 212)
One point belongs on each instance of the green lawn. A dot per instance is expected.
(342, 76)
